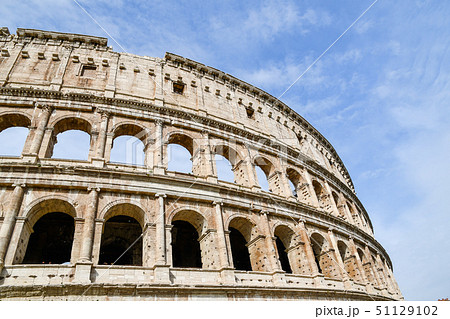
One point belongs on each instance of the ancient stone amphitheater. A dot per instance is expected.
(98, 230)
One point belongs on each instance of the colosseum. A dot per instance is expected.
(96, 229)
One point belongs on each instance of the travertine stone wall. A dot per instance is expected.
(53, 82)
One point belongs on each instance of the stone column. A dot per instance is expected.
(333, 203)
(10, 220)
(314, 199)
(83, 267)
(373, 267)
(301, 228)
(99, 158)
(337, 255)
(108, 146)
(40, 129)
(270, 243)
(251, 172)
(161, 231)
(358, 217)
(210, 162)
(163, 240)
(98, 232)
(360, 265)
(224, 256)
(346, 210)
(158, 150)
(382, 272)
(89, 226)
(392, 280)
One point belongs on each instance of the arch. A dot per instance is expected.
(12, 119)
(324, 260)
(176, 158)
(349, 260)
(230, 153)
(52, 240)
(14, 130)
(182, 139)
(128, 143)
(338, 202)
(44, 205)
(353, 213)
(266, 167)
(124, 208)
(318, 189)
(343, 250)
(121, 242)
(34, 212)
(367, 266)
(131, 129)
(239, 250)
(245, 246)
(186, 251)
(244, 225)
(265, 164)
(188, 247)
(362, 255)
(194, 217)
(70, 123)
(286, 239)
(297, 180)
(322, 196)
(225, 172)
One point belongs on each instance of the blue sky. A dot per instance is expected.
(380, 95)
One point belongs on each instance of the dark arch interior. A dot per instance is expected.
(282, 256)
(51, 241)
(239, 250)
(317, 250)
(119, 238)
(185, 246)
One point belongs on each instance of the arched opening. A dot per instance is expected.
(239, 250)
(318, 190)
(128, 145)
(322, 197)
(265, 174)
(121, 242)
(262, 179)
(13, 133)
(340, 207)
(343, 250)
(12, 141)
(127, 149)
(350, 266)
(320, 249)
(185, 246)
(353, 213)
(290, 251)
(224, 169)
(51, 240)
(228, 164)
(71, 139)
(283, 256)
(72, 144)
(294, 180)
(180, 153)
(367, 267)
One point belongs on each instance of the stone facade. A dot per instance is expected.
(53, 82)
